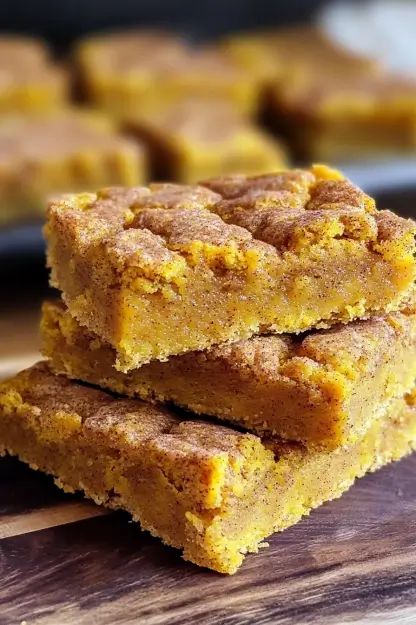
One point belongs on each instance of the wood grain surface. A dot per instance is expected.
(351, 561)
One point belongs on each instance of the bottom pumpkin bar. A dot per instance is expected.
(210, 490)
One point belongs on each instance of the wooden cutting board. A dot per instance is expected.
(66, 562)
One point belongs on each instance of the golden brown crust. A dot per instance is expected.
(332, 105)
(126, 54)
(333, 96)
(128, 51)
(59, 134)
(296, 182)
(127, 422)
(18, 51)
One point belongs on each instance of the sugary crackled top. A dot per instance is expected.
(129, 422)
(135, 54)
(349, 350)
(195, 455)
(37, 137)
(231, 222)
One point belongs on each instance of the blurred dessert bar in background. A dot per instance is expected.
(198, 138)
(246, 104)
(271, 55)
(162, 270)
(337, 116)
(324, 388)
(29, 79)
(134, 71)
(327, 102)
(60, 151)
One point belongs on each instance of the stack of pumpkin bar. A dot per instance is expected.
(280, 304)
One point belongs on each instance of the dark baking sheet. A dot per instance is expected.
(21, 239)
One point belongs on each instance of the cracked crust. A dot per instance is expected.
(209, 490)
(295, 202)
(252, 248)
(324, 388)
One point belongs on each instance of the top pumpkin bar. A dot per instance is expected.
(161, 270)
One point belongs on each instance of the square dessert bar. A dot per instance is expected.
(328, 102)
(198, 138)
(272, 55)
(134, 71)
(324, 388)
(167, 269)
(61, 151)
(209, 490)
(30, 80)
(336, 115)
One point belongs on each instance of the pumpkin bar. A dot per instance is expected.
(328, 102)
(207, 489)
(331, 116)
(272, 55)
(62, 151)
(162, 270)
(199, 138)
(323, 388)
(30, 80)
(134, 71)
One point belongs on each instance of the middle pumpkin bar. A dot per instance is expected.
(324, 388)
(168, 269)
